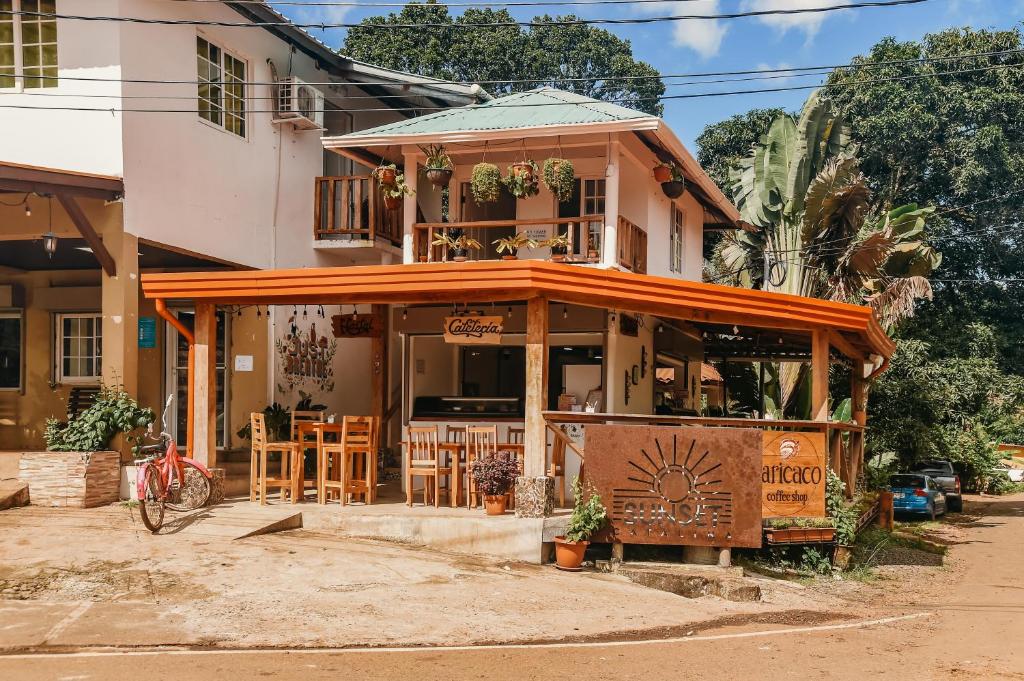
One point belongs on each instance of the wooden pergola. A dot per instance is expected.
(852, 330)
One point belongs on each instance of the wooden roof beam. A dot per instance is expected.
(85, 228)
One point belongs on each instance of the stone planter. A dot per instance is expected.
(71, 479)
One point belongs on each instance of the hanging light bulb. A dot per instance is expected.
(50, 243)
(257, 312)
(355, 312)
(320, 311)
(28, 208)
(565, 312)
(509, 314)
(613, 315)
(735, 330)
(405, 313)
(305, 313)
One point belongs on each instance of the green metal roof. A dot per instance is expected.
(543, 106)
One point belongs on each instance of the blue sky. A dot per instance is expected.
(748, 43)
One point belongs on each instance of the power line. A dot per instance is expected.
(323, 26)
(626, 100)
(350, 3)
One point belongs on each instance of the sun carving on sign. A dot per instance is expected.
(675, 490)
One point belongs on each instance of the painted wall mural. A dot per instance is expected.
(305, 356)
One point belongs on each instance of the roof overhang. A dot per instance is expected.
(445, 283)
(15, 177)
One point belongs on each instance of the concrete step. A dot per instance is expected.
(690, 581)
(238, 519)
(13, 493)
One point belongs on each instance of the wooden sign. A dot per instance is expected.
(684, 486)
(357, 326)
(793, 475)
(473, 330)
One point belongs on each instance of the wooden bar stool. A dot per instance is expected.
(307, 442)
(481, 441)
(355, 456)
(423, 459)
(259, 479)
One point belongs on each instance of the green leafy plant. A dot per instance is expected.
(305, 403)
(457, 243)
(786, 523)
(844, 516)
(396, 190)
(277, 419)
(814, 561)
(588, 515)
(385, 173)
(485, 183)
(495, 475)
(113, 413)
(560, 178)
(558, 243)
(437, 157)
(512, 244)
(522, 184)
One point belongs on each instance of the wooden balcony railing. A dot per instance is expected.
(584, 236)
(351, 207)
(632, 246)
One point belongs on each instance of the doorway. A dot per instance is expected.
(502, 209)
(176, 376)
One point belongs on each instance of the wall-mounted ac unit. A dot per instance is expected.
(299, 104)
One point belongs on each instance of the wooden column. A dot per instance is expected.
(535, 456)
(610, 247)
(379, 360)
(411, 172)
(819, 376)
(858, 409)
(204, 427)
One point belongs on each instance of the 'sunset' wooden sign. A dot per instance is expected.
(473, 330)
(793, 475)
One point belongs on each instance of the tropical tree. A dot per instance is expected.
(813, 232)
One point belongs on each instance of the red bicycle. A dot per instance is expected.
(167, 481)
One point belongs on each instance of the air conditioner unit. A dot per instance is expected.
(300, 104)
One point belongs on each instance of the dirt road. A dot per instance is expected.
(962, 621)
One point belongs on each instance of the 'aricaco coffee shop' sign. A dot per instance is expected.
(793, 475)
(685, 486)
(356, 326)
(473, 330)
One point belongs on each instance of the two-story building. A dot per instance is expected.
(135, 147)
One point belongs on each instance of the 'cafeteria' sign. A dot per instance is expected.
(793, 475)
(473, 330)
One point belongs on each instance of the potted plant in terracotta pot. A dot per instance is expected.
(560, 178)
(676, 184)
(439, 165)
(458, 245)
(494, 476)
(588, 516)
(663, 172)
(394, 193)
(385, 174)
(522, 180)
(510, 245)
(559, 245)
(485, 183)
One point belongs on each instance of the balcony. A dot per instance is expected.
(350, 208)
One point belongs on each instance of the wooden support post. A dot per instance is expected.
(204, 426)
(610, 245)
(819, 376)
(379, 364)
(535, 457)
(835, 448)
(411, 171)
(858, 409)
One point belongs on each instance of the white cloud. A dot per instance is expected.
(703, 36)
(808, 22)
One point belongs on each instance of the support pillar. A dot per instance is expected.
(120, 307)
(819, 376)
(610, 247)
(204, 427)
(858, 409)
(411, 172)
(535, 491)
(378, 368)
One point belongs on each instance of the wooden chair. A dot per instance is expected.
(309, 441)
(355, 456)
(557, 468)
(300, 417)
(259, 476)
(481, 441)
(423, 459)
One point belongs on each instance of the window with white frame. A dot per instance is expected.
(11, 334)
(221, 86)
(677, 234)
(79, 347)
(28, 44)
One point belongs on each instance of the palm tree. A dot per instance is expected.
(813, 231)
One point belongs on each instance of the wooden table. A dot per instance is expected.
(303, 430)
(456, 451)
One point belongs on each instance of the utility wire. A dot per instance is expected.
(350, 3)
(323, 26)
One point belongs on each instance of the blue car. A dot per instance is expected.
(918, 494)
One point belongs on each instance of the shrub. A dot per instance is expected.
(495, 475)
(114, 412)
(588, 516)
(844, 517)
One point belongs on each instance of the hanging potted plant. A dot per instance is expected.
(663, 172)
(494, 476)
(559, 245)
(439, 165)
(560, 178)
(458, 245)
(676, 184)
(485, 183)
(394, 193)
(385, 174)
(522, 180)
(510, 245)
(588, 516)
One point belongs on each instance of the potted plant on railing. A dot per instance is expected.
(510, 245)
(675, 185)
(559, 245)
(560, 178)
(663, 172)
(588, 516)
(494, 476)
(394, 193)
(385, 174)
(458, 245)
(522, 179)
(439, 165)
(485, 183)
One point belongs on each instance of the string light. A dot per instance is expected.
(405, 313)
(565, 312)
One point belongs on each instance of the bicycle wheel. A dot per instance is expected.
(193, 492)
(151, 508)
